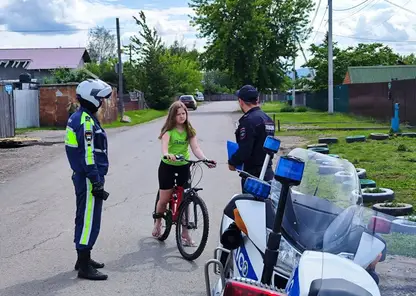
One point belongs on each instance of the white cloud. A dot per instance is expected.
(376, 20)
(78, 14)
(379, 20)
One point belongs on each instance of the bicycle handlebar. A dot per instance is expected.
(182, 158)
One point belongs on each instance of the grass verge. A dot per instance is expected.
(137, 117)
(390, 163)
(314, 119)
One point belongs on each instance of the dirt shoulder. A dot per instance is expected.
(15, 161)
(397, 276)
(290, 142)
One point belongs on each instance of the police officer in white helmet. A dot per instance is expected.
(86, 150)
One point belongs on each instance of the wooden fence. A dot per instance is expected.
(7, 116)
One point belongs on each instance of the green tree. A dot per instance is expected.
(101, 44)
(216, 82)
(408, 59)
(184, 73)
(253, 39)
(64, 75)
(373, 54)
(156, 83)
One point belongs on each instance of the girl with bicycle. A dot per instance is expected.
(177, 135)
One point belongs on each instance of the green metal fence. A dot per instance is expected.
(319, 100)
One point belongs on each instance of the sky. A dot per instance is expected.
(65, 23)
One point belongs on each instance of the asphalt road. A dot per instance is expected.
(37, 218)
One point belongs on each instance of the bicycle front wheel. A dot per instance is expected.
(187, 220)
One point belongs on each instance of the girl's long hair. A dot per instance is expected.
(171, 121)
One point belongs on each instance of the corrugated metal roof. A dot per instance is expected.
(374, 74)
(46, 58)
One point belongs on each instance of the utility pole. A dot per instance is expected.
(120, 71)
(330, 62)
(294, 82)
(130, 52)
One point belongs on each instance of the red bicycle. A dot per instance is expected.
(178, 210)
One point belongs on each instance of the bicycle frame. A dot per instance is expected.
(175, 202)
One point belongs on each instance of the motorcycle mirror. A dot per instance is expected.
(271, 145)
(231, 239)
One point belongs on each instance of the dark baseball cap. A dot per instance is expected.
(247, 93)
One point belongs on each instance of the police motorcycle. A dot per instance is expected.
(313, 229)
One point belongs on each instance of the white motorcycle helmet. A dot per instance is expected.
(91, 93)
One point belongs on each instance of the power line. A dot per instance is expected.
(345, 9)
(316, 12)
(323, 17)
(58, 30)
(399, 6)
(370, 39)
(361, 9)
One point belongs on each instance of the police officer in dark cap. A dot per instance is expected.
(254, 127)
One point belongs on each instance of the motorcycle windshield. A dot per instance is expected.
(329, 186)
(367, 253)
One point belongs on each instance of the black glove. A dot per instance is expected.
(99, 192)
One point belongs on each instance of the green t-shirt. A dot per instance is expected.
(178, 144)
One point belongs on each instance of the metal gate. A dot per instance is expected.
(7, 117)
(26, 102)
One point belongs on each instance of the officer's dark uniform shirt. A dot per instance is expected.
(86, 145)
(254, 127)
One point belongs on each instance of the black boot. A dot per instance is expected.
(86, 270)
(93, 263)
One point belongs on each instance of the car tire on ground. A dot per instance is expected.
(322, 150)
(352, 139)
(329, 140)
(367, 183)
(403, 225)
(362, 173)
(329, 169)
(409, 135)
(393, 211)
(318, 145)
(379, 136)
(343, 176)
(386, 195)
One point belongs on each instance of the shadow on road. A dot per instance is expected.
(155, 252)
(150, 251)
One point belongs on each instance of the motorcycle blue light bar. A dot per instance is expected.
(290, 168)
(271, 144)
(257, 188)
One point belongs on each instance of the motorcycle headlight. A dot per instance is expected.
(288, 257)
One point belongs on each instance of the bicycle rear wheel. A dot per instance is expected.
(167, 218)
(188, 221)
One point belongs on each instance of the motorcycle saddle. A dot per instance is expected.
(336, 287)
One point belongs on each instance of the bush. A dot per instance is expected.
(287, 109)
(301, 109)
